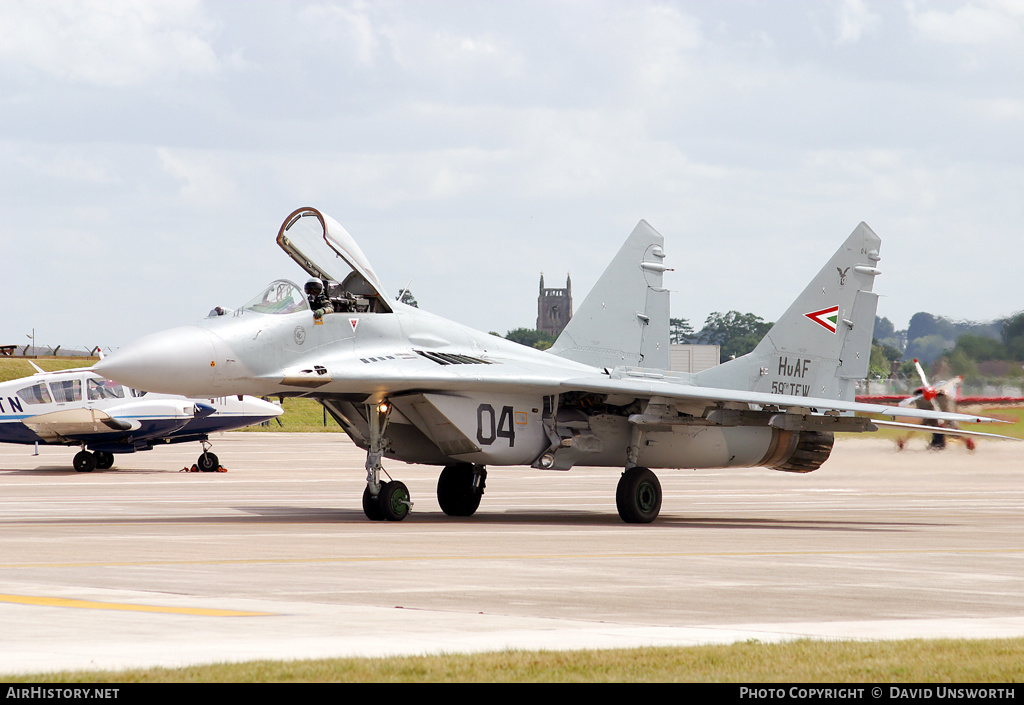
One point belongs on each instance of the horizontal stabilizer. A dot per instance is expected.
(941, 429)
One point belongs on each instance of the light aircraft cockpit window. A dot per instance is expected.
(136, 393)
(67, 390)
(280, 297)
(36, 394)
(103, 389)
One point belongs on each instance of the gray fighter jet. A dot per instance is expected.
(410, 385)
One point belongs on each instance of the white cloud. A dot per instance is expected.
(470, 144)
(349, 28)
(206, 182)
(853, 20)
(58, 163)
(972, 23)
(110, 43)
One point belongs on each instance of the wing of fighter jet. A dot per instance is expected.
(79, 407)
(410, 385)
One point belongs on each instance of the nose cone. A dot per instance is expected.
(176, 361)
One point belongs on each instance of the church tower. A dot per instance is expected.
(554, 307)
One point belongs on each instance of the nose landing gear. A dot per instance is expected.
(382, 500)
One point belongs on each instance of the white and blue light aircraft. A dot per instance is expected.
(410, 385)
(82, 408)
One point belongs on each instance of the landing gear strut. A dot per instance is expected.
(382, 500)
(460, 487)
(638, 496)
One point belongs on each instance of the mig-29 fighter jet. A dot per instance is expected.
(410, 385)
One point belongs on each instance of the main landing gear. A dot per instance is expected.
(638, 496)
(382, 500)
(85, 461)
(460, 487)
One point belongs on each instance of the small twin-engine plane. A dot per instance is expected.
(80, 407)
(410, 385)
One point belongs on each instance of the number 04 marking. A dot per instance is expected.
(490, 426)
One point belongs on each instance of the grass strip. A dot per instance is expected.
(802, 661)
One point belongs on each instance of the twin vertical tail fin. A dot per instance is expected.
(822, 344)
(624, 319)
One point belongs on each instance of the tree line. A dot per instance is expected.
(968, 348)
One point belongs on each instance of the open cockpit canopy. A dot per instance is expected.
(324, 249)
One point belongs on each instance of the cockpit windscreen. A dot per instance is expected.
(280, 296)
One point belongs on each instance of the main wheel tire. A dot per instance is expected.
(371, 506)
(394, 500)
(455, 491)
(104, 460)
(638, 496)
(84, 461)
(208, 462)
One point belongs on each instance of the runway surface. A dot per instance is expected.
(145, 565)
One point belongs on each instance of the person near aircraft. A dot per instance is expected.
(318, 300)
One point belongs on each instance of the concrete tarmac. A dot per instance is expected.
(145, 565)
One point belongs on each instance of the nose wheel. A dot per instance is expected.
(208, 462)
(392, 503)
(382, 501)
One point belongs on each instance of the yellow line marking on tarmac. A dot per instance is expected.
(124, 607)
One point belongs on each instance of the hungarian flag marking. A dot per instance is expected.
(827, 318)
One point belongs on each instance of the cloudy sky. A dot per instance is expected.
(150, 151)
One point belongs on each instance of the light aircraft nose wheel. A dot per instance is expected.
(208, 462)
(394, 500)
(84, 461)
(638, 496)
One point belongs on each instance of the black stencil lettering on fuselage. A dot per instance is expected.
(490, 427)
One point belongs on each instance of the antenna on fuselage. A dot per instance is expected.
(401, 294)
